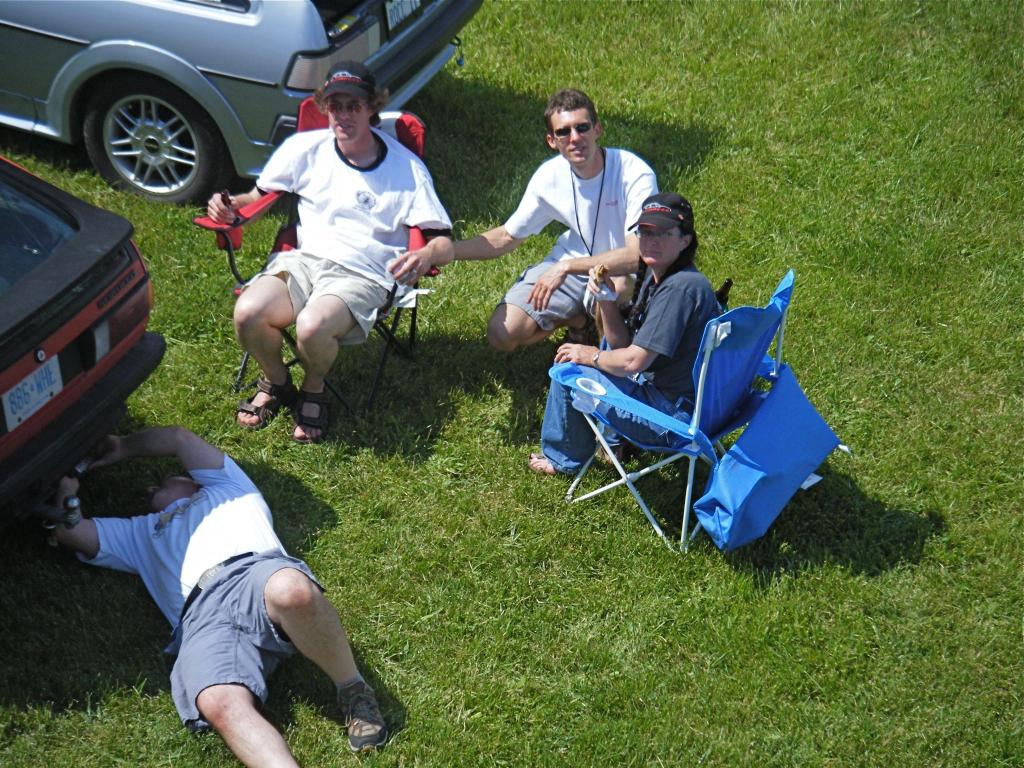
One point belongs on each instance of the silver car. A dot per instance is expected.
(174, 97)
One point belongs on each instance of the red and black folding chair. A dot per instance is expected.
(411, 131)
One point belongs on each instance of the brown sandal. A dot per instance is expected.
(280, 395)
(320, 421)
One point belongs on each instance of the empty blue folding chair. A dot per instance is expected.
(733, 376)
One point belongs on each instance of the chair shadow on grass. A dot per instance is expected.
(74, 634)
(834, 522)
(417, 397)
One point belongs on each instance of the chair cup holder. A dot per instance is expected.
(585, 401)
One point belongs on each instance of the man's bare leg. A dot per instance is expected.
(318, 329)
(297, 605)
(231, 710)
(261, 312)
(510, 328)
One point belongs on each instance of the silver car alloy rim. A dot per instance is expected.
(150, 144)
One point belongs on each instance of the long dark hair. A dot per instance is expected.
(638, 304)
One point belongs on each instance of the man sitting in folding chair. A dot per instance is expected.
(651, 353)
(359, 191)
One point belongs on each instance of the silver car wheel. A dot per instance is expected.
(150, 144)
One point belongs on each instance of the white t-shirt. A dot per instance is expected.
(358, 217)
(556, 194)
(170, 550)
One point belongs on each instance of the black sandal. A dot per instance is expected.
(320, 421)
(280, 395)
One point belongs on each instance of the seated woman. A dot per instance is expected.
(651, 353)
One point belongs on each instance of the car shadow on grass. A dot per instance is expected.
(19, 144)
(74, 636)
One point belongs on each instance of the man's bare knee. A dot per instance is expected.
(328, 317)
(308, 327)
(499, 338)
(289, 591)
(503, 329)
(265, 302)
(221, 704)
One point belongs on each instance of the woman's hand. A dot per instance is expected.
(581, 354)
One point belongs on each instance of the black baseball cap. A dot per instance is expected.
(666, 209)
(352, 78)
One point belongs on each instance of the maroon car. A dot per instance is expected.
(74, 303)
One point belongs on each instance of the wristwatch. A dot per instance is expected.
(593, 360)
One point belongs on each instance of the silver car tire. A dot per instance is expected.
(147, 137)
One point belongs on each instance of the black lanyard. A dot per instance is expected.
(576, 210)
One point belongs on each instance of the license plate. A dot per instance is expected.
(399, 10)
(32, 393)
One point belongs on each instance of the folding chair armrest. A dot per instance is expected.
(231, 233)
(243, 215)
(569, 373)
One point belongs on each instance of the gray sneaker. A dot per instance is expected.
(366, 727)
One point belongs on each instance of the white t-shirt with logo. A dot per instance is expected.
(555, 193)
(358, 217)
(170, 550)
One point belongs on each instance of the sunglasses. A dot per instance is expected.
(650, 233)
(580, 128)
(346, 107)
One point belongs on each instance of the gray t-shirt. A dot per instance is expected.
(672, 325)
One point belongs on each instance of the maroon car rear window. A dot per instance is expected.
(29, 233)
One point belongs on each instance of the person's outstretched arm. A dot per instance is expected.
(190, 449)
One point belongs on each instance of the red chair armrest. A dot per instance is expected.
(230, 235)
(418, 240)
(245, 214)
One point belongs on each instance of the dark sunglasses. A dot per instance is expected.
(581, 128)
(345, 107)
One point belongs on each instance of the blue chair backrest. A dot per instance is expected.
(734, 363)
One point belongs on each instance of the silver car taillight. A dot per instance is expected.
(357, 43)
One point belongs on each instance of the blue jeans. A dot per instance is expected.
(567, 440)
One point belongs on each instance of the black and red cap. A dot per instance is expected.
(352, 78)
(666, 209)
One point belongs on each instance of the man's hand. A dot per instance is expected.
(410, 266)
(546, 285)
(221, 208)
(581, 354)
(111, 450)
(68, 486)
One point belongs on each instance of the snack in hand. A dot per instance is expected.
(604, 291)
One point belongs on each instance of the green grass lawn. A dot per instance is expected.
(876, 148)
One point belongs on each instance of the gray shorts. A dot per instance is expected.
(566, 302)
(227, 636)
(308, 277)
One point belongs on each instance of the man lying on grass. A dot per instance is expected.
(210, 559)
